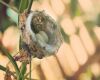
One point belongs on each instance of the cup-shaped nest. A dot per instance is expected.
(44, 32)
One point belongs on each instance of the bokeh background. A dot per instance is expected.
(79, 55)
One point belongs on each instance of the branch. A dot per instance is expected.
(8, 6)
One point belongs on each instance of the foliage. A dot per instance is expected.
(24, 4)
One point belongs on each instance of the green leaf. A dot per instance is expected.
(12, 14)
(90, 24)
(23, 5)
(23, 68)
(4, 50)
(98, 20)
(65, 36)
(74, 9)
(16, 2)
(22, 71)
(7, 70)
(3, 68)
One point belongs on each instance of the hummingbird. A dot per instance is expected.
(40, 35)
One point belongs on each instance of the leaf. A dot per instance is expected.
(23, 68)
(12, 14)
(2, 68)
(23, 5)
(74, 9)
(5, 70)
(16, 2)
(89, 24)
(4, 50)
(65, 36)
(22, 71)
(98, 20)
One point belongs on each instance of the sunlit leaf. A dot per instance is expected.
(74, 9)
(13, 15)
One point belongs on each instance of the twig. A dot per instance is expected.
(9, 6)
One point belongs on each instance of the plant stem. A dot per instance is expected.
(5, 51)
(30, 4)
(5, 69)
(22, 71)
(30, 67)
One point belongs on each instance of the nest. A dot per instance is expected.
(40, 34)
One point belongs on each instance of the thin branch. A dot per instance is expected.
(9, 6)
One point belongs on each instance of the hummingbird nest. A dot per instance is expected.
(40, 34)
